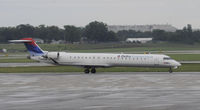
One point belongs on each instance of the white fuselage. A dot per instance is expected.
(111, 60)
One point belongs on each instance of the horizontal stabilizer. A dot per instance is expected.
(20, 41)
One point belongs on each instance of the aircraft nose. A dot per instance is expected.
(178, 64)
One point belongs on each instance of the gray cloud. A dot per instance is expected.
(81, 12)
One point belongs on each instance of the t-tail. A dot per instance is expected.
(31, 46)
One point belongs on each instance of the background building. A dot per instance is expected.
(142, 28)
(138, 40)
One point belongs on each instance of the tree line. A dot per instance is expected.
(94, 32)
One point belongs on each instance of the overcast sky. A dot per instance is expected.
(113, 12)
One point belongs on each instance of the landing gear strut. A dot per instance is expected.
(170, 70)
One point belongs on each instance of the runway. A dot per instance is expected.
(101, 91)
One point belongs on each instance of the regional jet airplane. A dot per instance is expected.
(91, 61)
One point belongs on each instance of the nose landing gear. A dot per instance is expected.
(170, 70)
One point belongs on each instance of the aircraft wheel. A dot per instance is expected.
(87, 71)
(170, 70)
(93, 70)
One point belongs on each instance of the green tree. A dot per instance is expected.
(41, 32)
(54, 33)
(25, 30)
(187, 35)
(98, 32)
(159, 35)
(72, 33)
(111, 36)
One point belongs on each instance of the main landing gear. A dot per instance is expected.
(170, 70)
(87, 70)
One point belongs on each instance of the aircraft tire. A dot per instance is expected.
(93, 70)
(87, 71)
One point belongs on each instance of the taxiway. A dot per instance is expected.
(101, 91)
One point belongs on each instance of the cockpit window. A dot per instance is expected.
(167, 58)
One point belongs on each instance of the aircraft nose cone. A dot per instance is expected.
(178, 64)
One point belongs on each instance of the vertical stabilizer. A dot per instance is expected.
(31, 46)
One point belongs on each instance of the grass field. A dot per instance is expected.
(105, 47)
(183, 68)
(185, 57)
(17, 60)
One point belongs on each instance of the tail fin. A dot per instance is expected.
(31, 46)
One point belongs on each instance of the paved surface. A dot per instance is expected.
(24, 64)
(102, 91)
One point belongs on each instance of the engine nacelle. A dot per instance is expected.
(53, 55)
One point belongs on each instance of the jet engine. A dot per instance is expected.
(53, 55)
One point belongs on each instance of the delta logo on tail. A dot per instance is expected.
(31, 46)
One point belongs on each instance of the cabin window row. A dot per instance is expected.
(82, 57)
